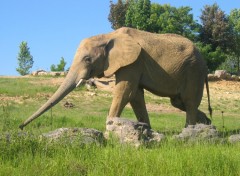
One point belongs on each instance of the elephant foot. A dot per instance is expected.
(202, 118)
(145, 122)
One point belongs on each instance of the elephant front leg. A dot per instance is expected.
(123, 93)
(139, 107)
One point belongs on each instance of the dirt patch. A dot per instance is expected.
(18, 99)
(226, 85)
(49, 81)
(225, 89)
(161, 108)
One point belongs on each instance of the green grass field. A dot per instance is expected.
(28, 155)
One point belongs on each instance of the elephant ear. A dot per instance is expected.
(121, 51)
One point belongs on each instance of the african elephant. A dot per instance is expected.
(167, 65)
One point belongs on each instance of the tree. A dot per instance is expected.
(216, 29)
(60, 66)
(168, 19)
(25, 59)
(214, 58)
(234, 19)
(156, 18)
(138, 14)
(117, 14)
(216, 36)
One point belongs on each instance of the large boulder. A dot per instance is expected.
(212, 77)
(75, 135)
(39, 72)
(42, 73)
(198, 132)
(57, 73)
(131, 132)
(45, 73)
(221, 74)
(54, 73)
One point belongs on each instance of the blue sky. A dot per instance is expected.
(54, 28)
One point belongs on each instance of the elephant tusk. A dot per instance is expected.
(81, 80)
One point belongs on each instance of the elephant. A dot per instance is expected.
(167, 65)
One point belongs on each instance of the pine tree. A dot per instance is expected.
(25, 59)
(216, 34)
(216, 29)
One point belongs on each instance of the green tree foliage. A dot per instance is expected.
(230, 64)
(216, 29)
(25, 59)
(168, 19)
(60, 66)
(216, 35)
(143, 15)
(138, 14)
(214, 58)
(234, 19)
(117, 14)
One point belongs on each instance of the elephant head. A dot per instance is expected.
(97, 56)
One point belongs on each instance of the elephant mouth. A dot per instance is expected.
(100, 75)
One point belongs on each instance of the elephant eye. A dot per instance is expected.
(87, 59)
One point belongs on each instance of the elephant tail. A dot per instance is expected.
(208, 95)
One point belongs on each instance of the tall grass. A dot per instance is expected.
(27, 155)
(24, 153)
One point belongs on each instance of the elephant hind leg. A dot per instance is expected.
(190, 109)
(178, 103)
(202, 118)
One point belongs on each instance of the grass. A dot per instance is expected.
(24, 86)
(23, 153)
(28, 156)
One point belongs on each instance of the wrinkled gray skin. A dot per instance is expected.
(167, 65)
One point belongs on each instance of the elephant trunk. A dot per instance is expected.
(70, 82)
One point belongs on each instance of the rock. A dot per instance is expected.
(72, 135)
(93, 83)
(212, 77)
(42, 73)
(228, 76)
(222, 74)
(90, 84)
(34, 73)
(63, 73)
(235, 78)
(57, 73)
(131, 132)
(54, 73)
(234, 138)
(198, 132)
